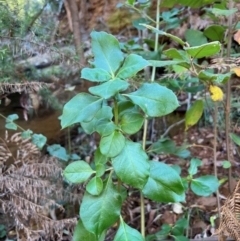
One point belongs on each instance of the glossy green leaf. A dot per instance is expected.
(204, 185)
(195, 37)
(95, 186)
(78, 172)
(100, 212)
(155, 100)
(58, 151)
(215, 32)
(132, 64)
(39, 140)
(113, 144)
(95, 75)
(235, 138)
(164, 184)
(11, 126)
(103, 115)
(82, 234)
(82, 107)
(194, 114)
(131, 122)
(132, 165)
(204, 50)
(194, 164)
(109, 88)
(160, 32)
(126, 233)
(107, 53)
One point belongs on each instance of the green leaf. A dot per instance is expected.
(103, 115)
(179, 227)
(95, 186)
(39, 140)
(215, 32)
(131, 122)
(132, 64)
(99, 158)
(163, 63)
(235, 138)
(195, 3)
(194, 114)
(126, 106)
(11, 126)
(132, 165)
(194, 164)
(26, 134)
(160, 32)
(173, 53)
(105, 128)
(204, 185)
(223, 12)
(195, 37)
(107, 53)
(58, 151)
(210, 77)
(100, 212)
(164, 184)
(95, 75)
(155, 100)
(81, 233)
(82, 107)
(227, 164)
(112, 145)
(169, 147)
(100, 169)
(109, 89)
(12, 118)
(126, 233)
(180, 238)
(78, 172)
(204, 50)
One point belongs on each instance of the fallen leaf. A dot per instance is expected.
(236, 36)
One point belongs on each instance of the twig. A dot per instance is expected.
(228, 100)
(172, 126)
(215, 154)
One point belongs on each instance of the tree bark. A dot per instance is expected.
(71, 4)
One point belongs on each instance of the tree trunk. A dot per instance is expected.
(72, 6)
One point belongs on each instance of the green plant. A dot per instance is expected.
(116, 115)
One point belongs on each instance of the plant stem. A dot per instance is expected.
(146, 120)
(115, 112)
(215, 153)
(228, 100)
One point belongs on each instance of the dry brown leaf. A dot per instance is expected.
(236, 37)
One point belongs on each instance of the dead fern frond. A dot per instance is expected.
(230, 217)
(32, 191)
(34, 86)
